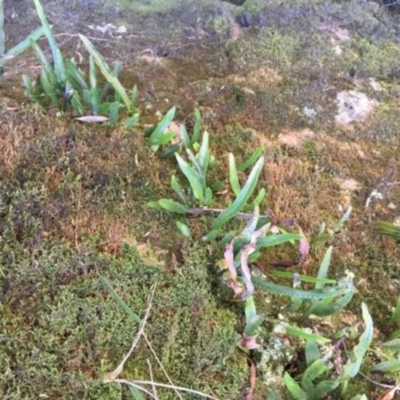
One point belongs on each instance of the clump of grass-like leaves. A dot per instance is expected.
(62, 83)
(244, 245)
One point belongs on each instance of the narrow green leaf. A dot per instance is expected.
(136, 393)
(251, 160)
(118, 299)
(393, 345)
(77, 105)
(227, 238)
(158, 130)
(305, 335)
(302, 294)
(75, 76)
(114, 111)
(173, 206)
(352, 368)
(46, 64)
(57, 57)
(253, 324)
(208, 195)
(50, 90)
(105, 70)
(196, 127)
(250, 309)
(316, 369)
(323, 310)
(396, 312)
(345, 217)
(277, 239)
(107, 86)
(242, 198)
(392, 365)
(294, 388)
(323, 269)
(259, 198)
(233, 176)
(210, 236)
(197, 166)
(303, 278)
(324, 387)
(132, 121)
(192, 177)
(184, 229)
(177, 188)
(23, 45)
(135, 96)
(161, 139)
(203, 155)
(312, 352)
(92, 73)
(184, 136)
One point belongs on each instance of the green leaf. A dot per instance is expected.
(134, 96)
(105, 70)
(387, 366)
(316, 369)
(203, 155)
(210, 236)
(136, 393)
(294, 388)
(324, 387)
(302, 294)
(22, 46)
(352, 368)
(118, 299)
(158, 130)
(208, 195)
(57, 57)
(253, 324)
(323, 309)
(242, 198)
(92, 73)
(388, 229)
(184, 136)
(227, 238)
(184, 229)
(396, 312)
(259, 198)
(233, 176)
(323, 269)
(393, 345)
(177, 188)
(312, 352)
(170, 150)
(345, 217)
(107, 86)
(161, 139)
(277, 239)
(251, 160)
(196, 127)
(305, 335)
(303, 278)
(114, 110)
(75, 76)
(169, 205)
(50, 90)
(192, 177)
(77, 105)
(132, 121)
